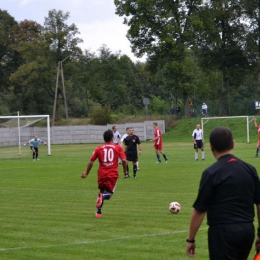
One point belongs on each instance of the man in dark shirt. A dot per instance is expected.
(178, 110)
(228, 191)
(172, 111)
(131, 142)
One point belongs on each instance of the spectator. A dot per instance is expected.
(172, 111)
(178, 110)
(204, 108)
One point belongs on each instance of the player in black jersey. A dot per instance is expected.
(132, 142)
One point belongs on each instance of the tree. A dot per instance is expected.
(221, 45)
(51, 43)
(9, 59)
(163, 30)
(252, 10)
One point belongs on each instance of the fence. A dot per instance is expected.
(75, 134)
(232, 107)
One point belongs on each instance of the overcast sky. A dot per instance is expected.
(96, 20)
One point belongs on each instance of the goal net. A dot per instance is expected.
(239, 125)
(17, 130)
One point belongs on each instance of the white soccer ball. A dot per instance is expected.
(174, 207)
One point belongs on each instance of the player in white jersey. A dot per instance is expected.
(117, 136)
(198, 141)
(34, 146)
(116, 139)
(125, 135)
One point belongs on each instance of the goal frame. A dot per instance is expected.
(32, 116)
(228, 117)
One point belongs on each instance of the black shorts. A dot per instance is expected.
(132, 157)
(34, 148)
(233, 241)
(199, 144)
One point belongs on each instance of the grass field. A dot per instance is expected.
(47, 212)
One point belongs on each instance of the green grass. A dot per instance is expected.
(48, 212)
(184, 127)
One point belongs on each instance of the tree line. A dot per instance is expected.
(197, 50)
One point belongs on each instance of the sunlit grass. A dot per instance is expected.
(48, 212)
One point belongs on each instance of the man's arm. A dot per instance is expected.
(122, 140)
(140, 149)
(194, 137)
(124, 166)
(89, 167)
(195, 223)
(255, 122)
(257, 242)
(157, 136)
(125, 147)
(152, 140)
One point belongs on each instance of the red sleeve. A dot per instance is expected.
(157, 133)
(94, 156)
(121, 153)
(257, 127)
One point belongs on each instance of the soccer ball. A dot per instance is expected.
(174, 207)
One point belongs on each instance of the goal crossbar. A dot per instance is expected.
(34, 116)
(228, 117)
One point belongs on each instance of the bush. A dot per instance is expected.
(170, 122)
(101, 116)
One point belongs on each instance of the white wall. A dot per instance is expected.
(75, 134)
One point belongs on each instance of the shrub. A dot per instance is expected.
(101, 116)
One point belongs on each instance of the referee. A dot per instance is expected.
(132, 142)
(228, 191)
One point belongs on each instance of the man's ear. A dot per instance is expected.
(211, 148)
(233, 144)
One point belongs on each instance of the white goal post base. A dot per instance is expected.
(32, 116)
(228, 117)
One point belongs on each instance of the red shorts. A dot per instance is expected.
(258, 144)
(107, 184)
(158, 146)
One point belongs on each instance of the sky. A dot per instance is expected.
(95, 19)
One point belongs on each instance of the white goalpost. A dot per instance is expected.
(205, 120)
(36, 119)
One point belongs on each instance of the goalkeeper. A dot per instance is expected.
(34, 146)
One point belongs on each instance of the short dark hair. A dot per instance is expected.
(155, 123)
(127, 128)
(221, 139)
(108, 136)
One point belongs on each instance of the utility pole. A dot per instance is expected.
(60, 73)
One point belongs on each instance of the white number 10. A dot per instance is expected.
(108, 155)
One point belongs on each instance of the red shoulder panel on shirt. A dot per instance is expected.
(232, 160)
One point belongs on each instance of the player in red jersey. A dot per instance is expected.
(258, 143)
(107, 155)
(158, 143)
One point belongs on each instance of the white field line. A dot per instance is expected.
(96, 241)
